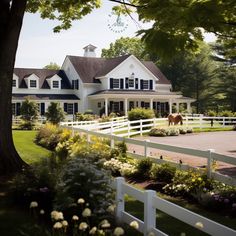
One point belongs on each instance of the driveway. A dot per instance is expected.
(223, 142)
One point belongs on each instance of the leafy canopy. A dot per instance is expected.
(52, 66)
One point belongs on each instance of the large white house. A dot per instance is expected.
(98, 84)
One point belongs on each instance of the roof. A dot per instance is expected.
(144, 92)
(21, 96)
(90, 46)
(42, 74)
(89, 68)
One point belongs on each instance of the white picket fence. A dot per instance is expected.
(153, 202)
(210, 155)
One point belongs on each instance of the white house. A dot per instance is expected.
(102, 85)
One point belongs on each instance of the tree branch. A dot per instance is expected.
(126, 3)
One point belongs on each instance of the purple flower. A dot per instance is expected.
(226, 200)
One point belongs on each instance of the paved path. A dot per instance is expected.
(223, 142)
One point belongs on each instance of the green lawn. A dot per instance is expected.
(28, 150)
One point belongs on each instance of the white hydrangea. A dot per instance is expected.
(33, 204)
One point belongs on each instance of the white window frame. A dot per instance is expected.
(117, 83)
(147, 83)
(36, 83)
(14, 83)
(59, 85)
(133, 81)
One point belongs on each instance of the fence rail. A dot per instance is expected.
(210, 155)
(153, 202)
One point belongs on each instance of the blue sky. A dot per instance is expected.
(38, 45)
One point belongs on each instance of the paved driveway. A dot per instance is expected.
(223, 142)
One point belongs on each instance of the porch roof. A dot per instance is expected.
(134, 94)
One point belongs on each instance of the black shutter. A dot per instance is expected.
(77, 84)
(73, 84)
(141, 84)
(42, 108)
(142, 104)
(121, 106)
(111, 83)
(65, 107)
(154, 105)
(136, 83)
(111, 106)
(18, 105)
(121, 83)
(75, 108)
(126, 83)
(151, 84)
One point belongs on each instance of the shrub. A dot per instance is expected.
(54, 113)
(90, 183)
(122, 148)
(173, 132)
(29, 110)
(158, 132)
(50, 135)
(85, 117)
(189, 130)
(143, 168)
(211, 113)
(140, 114)
(226, 114)
(26, 125)
(163, 173)
(182, 131)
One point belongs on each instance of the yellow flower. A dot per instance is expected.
(193, 180)
(81, 201)
(86, 212)
(93, 230)
(134, 224)
(75, 217)
(105, 224)
(33, 204)
(83, 226)
(199, 225)
(118, 231)
(199, 179)
(57, 225)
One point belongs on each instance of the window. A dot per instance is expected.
(116, 83)
(131, 83)
(99, 105)
(75, 84)
(116, 106)
(13, 107)
(55, 84)
(146, 105)
(33, 84)
(14, 83)
(145, 84)
(70, 108)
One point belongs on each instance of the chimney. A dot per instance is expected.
(89, 51)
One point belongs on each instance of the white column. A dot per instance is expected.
(126, 106)
(151, 103)
(188, 107)
(106, 106)
(177, 107)
(170, 106)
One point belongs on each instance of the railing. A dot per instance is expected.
(146, 145)
(153, 202)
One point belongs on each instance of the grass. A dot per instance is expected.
(173, 226)
(28, 150)
(212, 129)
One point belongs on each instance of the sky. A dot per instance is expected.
(38, 45)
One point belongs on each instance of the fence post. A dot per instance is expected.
(111, 133)
(223, 121)
(146, 150)
(149, 212)
(141, 127)
(128, 129)
(209, 162)
(120, 203)
(200, 122)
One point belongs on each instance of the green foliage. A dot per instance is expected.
(85, 117)
(29, 110)
(140, 114)
(211, 113)
(55, 114)
(90, 183)
(177, 25)
(162, 173)
(50, 135)
(52, 66)
(124, 46)
(122, 148)
(158, 132)
(143, 168)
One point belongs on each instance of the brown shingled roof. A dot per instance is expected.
(88, 68)
(43, 74)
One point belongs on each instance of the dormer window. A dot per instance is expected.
(145, 84)
(14, 83)
(33, 83)
(55, 84)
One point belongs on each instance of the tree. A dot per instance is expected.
(52, 66)
(179, 25)
(124, 46)
(12, 13)
(55, 114)
(29, 110)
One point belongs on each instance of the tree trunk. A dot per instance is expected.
(11, 17)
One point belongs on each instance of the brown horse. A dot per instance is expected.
(175, 119)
